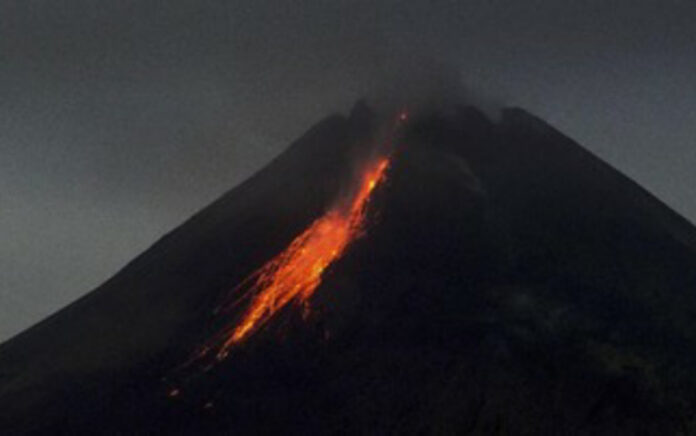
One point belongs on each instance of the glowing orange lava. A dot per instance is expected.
(295, 273)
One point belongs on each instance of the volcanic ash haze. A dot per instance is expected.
(481, 277)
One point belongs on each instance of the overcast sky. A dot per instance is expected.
(119, 119)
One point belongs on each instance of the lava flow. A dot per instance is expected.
(295, 273)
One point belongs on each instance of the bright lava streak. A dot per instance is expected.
(295, 273)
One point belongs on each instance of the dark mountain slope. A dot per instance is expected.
(510, 283)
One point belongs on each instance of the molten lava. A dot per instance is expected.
(295, 273)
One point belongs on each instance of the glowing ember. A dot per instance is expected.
(294, 274)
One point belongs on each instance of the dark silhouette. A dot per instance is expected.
(509, 283)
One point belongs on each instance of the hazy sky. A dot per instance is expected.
(119, 119)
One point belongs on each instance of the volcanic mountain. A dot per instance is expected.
(436, 273)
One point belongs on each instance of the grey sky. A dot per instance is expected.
(118, 119)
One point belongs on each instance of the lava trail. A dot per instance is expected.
(294, 274)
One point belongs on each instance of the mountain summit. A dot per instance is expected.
(435, 273)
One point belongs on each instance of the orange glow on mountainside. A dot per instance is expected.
(295, 273)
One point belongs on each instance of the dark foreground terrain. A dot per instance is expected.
(509, 283)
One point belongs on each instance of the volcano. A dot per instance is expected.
(432, 273)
